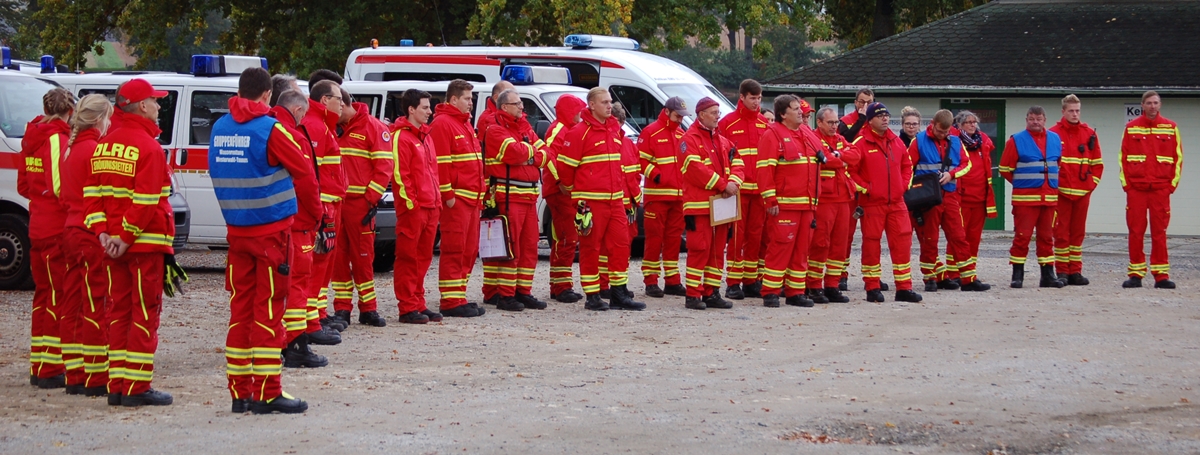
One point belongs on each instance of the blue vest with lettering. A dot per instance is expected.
(1032, 169)
(250, 190)
(929, 160)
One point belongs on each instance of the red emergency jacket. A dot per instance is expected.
(366, 148)
(744, 127)
(415, 183)
(662, 159)
(1151, 154)
(633, 173)
(460, 162)
(590, 163)
(976, 185)
(710, 164)
(40, 177)
(488, 117)
(788, 173)
(884, 169)
(853, 125)
(321, 125)
(126, 193)
(514, 158)
(1082, 164)
(565, 110)
(1042, 195)
(308, 195)
(836, 184)
(77, 165)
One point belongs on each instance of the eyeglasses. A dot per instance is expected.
(912, 124)
(971, 122)
(518, 103)
(336, 97)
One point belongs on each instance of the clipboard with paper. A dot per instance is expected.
(724, 210)
(494, 241)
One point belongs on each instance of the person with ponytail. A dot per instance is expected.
(84, 329)
(40, 180)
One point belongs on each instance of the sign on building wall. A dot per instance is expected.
(1132, 111)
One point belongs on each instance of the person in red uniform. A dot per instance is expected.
(136, 232)
(1079, 172)
(744, 127)
(850, 127)
(936, 151)
(491, 108)
(977, 200)
(460, 173)
(633, 197)
(40, 181)
(291, 106)
(366, 148)
(1151, 167)
(418, 204)
(662, 164)
(514, 157)
(826, 254)
(256, 165)
(790, 155)
(1030, 164)
(590, 170)
(883, 173)
(564, 239)
(320, 123)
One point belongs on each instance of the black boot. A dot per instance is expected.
(437, 317)
(509, 304)
(97, 391)
(74, 389)
(240, 406)
(817, 296)
(567, 296)
(622, 299)
(114, 399)
(298, 354)
(931, 285)
(836, 296)
(907, 295)
(1132, 282)
(676, 290)
(1049, 279)
(799, 300)
(343, 317)
(844, 283)
(875, 295)
(530, 302)
(595, 303)
(884, 287)
(52, 382)
(694, 303)
(753, 289)
(283, 403)
(334, 324)
(606, 294)
(771, 300)
(976, 286)
(325, 337)
(150, 397)
(493, 300)
(652, 290)
(1077, 279)
(1164, 284)
(734, 291)
(370, 318)
(1018, 278)
(949, 284)
(714, 300)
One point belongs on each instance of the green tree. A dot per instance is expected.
(859, 22)
(546, 22)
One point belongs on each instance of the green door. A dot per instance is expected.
(991, 122)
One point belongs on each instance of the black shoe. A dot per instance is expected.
(771, 300)
(844, 283)
(433, 315)
(332, 324)
(1164, 284)
(478, 309)
(416, 317)
(931, 285)
(799, 300)
(595, 303)
(509, 304)
(461, 311)
(240, 406)
(753, 289)
(530, 302)
(606, 294)
(493, 300)
(97, 391)
(907, 295)
(114, 399)
(948, 284)
(884, 287)
(1018, 278)
(325, 337)
(875, 295)
(1049, 279)
(33, 380)
(817, 296)
(343, 317)
(567, 296)
(150, 397)
(298, 354)
(74, 389)
(1132, 282)
(975, 286)
(676, 290)
(734, 291)
(714, 300)
(283, 404)
(52, 382)
(694, 303)
(836, 296)
(370, 318)
(623, 300)
(652, 290)
(1077, 279)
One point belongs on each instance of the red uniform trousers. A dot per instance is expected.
(508, 278)
(299, 316)
(876, 220)
(322, 270)
(789, 237)
(605, 278)
(826, 253)
(1070, 223)
(354, 268)
(850, 236)
(609, 230)
(747, 241)
(706, 257)
(415, 232)
(974, 214)
(945, 217)
(564, 240)
(1025, 219)
(1158, 204)
(663, 221)
(136, 286)
(49, 268)
(460, 248)
(84, 328)
(258, 291)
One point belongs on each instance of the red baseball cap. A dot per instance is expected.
(805, 108)
(137, 90)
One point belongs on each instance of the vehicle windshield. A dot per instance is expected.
(551, 99)
(20, 102)
(691, 93)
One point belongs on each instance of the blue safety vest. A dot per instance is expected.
(1033, 170)
(250, 190)
(929, 160)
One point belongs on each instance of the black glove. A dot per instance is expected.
(490, 209)
(820, 157)
(658, 178)
(689, 222)
(370, 218)
(173, 276)
(326, 236)
(858, 212)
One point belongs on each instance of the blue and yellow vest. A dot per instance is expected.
(929, 160)
(1032, 169)
(250, 190)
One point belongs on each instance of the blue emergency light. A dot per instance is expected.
(406, 43)
(224, 65)
(601, 41)
(528, 75)
(48, 64)
(6, 55)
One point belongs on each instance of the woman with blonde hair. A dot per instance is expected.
(84, 331)
(40, 180)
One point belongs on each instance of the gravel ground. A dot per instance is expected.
(1077, 370)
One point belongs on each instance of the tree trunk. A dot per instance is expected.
(733, 41)
(749, 44)
(885, 20)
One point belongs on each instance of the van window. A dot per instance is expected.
(392, 109)
(641, 107)
(430, 77)
(20, 102)
(166, 113)
(373, 103)
(207, 107)
(533, 113)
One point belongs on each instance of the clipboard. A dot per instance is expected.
(724, 210)
(494, 240)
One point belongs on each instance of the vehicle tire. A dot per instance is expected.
(14, 252)
(385, 257)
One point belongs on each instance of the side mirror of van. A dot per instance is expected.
(541, 127)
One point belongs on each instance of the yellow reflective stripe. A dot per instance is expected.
(662, 192)
(146, 199)
(279, 127)
(550, 166)
(964, 170)
(768, 193)
(1137, 130)
(568, 161)
(748, 151)
(1073, 160)
(1135, 158)
(108, 191)
(1179, 159)
(1006, 169)
(132, 229)
(665, 160)
(1163, 131)
(381, 155)
(601, 158)
(467, 193)
(332, 159)
(154, 239)
(356, 189)
(329, 198)
(1165, 159)
(462, 157)
(695, 205)
(1072, 191)
(828, 174)
(55, 157)
(93, 218)
(712, 182)
(357, 153)
(503, 148)
(598, 196)
(794, 200)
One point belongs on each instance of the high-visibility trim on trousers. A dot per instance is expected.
(663, 221)
(354, 266)
(459, 251)
(894, 220)
(789, 237)
(1156, 206)
(415, 232)
(136, 281)
(49, 268)
(83, 320)
(258, 291)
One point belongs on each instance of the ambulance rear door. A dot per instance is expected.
(201, 107)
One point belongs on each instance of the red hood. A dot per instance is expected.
(37, 132)
(244, 110)
(362, 114)
(319, 110)
(745, 112)
(489, 106)
(453, 112)
(567, 107)
(507, 121)
(1064, 125)
(402, 123)
(610, 125)
(665, 117)
(283, 115)
(877, 138)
